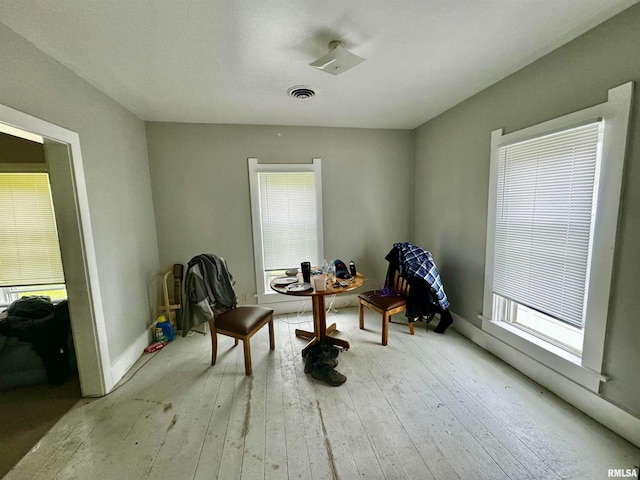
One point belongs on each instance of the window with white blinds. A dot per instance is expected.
(544, 217)
(552, 218)
(29, 248)
(288, 218)
(286, 208)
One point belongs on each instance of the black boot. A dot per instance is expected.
(319, 355)
(311, 358)
(445, 320)
(328, 375)
(320, 362)
(326, 360)
(329, 350)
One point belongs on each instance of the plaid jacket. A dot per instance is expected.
(416, 262)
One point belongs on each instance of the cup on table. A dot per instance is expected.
(306, 271)
(320, 282)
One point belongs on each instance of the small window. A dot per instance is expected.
(30, 260)
(554, 195)
(286, 203)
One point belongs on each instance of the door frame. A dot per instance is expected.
(70, 199)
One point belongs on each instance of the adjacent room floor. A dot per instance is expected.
(27, 413)
(427, 406)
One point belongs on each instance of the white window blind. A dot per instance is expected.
(545, 206)
(29, 248)
(288, 218)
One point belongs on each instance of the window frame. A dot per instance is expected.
(254, 168)
(587, 368)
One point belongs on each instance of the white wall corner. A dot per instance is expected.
(592, 404)
(124, 362)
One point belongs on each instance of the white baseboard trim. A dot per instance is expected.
(125, 361)
(592, 404)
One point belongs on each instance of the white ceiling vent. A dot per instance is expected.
(301, 92)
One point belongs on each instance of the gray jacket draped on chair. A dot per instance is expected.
(208, 291)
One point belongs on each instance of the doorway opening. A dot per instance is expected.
(64, 165)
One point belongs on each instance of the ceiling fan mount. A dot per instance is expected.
(338, 60)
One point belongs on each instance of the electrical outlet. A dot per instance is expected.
(243, 298)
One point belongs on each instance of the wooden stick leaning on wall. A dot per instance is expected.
(169, 308)
(178, 272)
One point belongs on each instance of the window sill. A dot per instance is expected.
(561, 361)
(555, 332)
(275, 297)
(4, 305)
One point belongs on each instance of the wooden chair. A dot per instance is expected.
(386, 305)
(241, 323)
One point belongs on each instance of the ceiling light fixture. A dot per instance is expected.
(338, 60)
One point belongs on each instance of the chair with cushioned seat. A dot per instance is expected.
(391, 300)
(208, 290)
(241, 323)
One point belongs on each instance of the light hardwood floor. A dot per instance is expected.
(427, 406)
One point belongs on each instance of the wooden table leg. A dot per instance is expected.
(305, 334)
(320, 330)
(338, 342)
(306, 348)
(323, 332)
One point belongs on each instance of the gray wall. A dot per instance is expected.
(201, 190)
(452, 172)
(117, 175)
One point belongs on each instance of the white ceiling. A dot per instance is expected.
(230, 61)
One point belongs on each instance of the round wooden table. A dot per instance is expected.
(320, 330)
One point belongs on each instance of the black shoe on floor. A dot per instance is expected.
(319, 361)
(329, 349)
(328, 375)
(445, 320)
